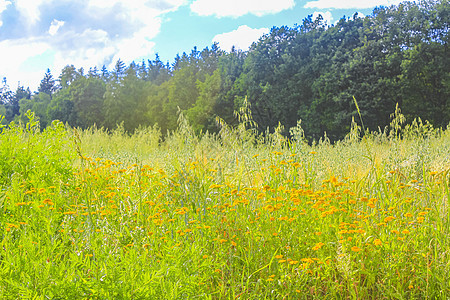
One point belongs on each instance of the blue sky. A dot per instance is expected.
(40, 34)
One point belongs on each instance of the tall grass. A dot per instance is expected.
(104, 215)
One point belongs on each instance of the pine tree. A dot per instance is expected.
(47, 85)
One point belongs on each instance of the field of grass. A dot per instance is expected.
(91, 215)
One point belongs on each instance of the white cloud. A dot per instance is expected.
(135, 47)
(54, 26)
(327, 16)
(148, 14)
(21, 50)
(96, 45)
(349, 4)
(242, 38)
(30, 9)
(237, 8)
(361, 15)
(4, 4)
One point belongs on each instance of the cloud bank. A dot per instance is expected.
(237, 8)
(349, 4)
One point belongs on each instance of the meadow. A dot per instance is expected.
(235, 215)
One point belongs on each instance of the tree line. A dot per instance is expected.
(309, 72)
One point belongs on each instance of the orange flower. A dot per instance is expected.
(356, 249)
(377, 242)
(318, 246)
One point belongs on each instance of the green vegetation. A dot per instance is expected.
(310, 72)
(86, 214)
(239, 175)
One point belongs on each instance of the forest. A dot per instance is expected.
(310, 73)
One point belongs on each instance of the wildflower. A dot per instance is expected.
(278, 256)
(406, 231)
(318, 246)
(388, 219)
(356, 249)
(377, 242)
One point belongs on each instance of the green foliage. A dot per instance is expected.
(27, 154)
(126, 101)
(201, 115)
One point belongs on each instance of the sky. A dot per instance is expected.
(36, 35)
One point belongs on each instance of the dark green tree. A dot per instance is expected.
(48, 85)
